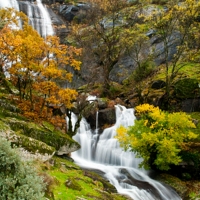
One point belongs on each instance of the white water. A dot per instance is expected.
(102, 152)
(47, 28)
(9, 4)
(41, 22)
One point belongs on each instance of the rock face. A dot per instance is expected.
(37, 138)
(191, 105)
(62, 14)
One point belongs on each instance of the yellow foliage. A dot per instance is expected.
(158, 135)
(36, 64)
(145, 108)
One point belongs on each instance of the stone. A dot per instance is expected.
(158, 84)
(56, 139)
(190, 105)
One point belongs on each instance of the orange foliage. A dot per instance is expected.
(36, 64)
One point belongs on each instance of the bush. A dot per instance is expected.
(159, 2)
(18, 180)
(158, 137)
(187, 88)
(143, 71)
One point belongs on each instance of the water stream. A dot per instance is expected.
(103, 153)
(37, 14)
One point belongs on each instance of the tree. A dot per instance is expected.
(178, 24)
(105, 25)
(158, 137)
(8, 19)
(35, 66)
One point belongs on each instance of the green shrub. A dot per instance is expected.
(187, 88)
(159, 2)
(18, 179)
(158, 137)
(142, 72)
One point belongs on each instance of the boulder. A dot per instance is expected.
(107, 117)
(158, 84)
(190, 105)
(54, 138)
(30, 147)
(102, 118)
(68, 11)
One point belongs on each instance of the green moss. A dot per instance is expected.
(187, 88)
(87, 185)
(52, 138)
(189, 70)
(33, 145)
(73, 184)
(3, 126)
(48, 126)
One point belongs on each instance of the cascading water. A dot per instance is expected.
(103, 152)
(9, 4)
(46, 20)
(37, 14)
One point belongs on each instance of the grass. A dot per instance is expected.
(81, 185)
(189, 70)
(61, 191)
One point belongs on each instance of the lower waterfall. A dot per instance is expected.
(103, 153)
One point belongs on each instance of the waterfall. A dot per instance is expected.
(97, 125)
(46, 25)
(9, 4)
(37, 14)
(103, 152)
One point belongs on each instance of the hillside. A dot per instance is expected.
(135, 53)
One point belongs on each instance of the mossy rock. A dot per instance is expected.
(30, 144)
(179, 185)
(187, 88)
(73, 184)
(55, 138)
(34, 146)
(6, 105)
(96, 177)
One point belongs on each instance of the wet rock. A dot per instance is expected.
(158, 84)
(190, 105)
(107, 116)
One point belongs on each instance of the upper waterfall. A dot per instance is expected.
(9, 4)
(47, 28)
(37, 14)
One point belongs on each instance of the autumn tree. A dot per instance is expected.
(177, 24)
(158, 136)
(8, 19)
(35, 66)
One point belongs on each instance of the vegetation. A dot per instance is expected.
(110, 36)
(178, 23)
(36, 64)
(18, 179)
(158, 137)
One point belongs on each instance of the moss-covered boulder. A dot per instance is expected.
(187, 88)
(29, 145)
(50, 137)
(73, 184)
